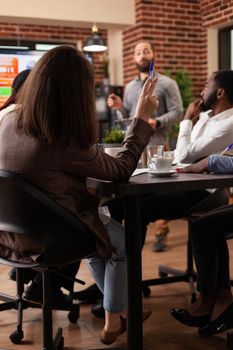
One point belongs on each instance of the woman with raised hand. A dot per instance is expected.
(50, 139)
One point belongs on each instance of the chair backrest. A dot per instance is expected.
(25, 209)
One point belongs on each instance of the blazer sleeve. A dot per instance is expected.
(220, 164)
(95, 163)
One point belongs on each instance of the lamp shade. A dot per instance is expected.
(95, 42)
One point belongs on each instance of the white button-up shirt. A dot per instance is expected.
(209, 135)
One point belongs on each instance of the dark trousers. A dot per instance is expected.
(162, 206)
(208, 235)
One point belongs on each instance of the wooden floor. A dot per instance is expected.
(161, 331)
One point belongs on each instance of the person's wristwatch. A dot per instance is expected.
(158, 123)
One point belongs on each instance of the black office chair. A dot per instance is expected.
(170, 275)
(26, 210)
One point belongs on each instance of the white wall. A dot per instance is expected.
(212, 50)
(113, 15)
(107, 13)
(115, 50)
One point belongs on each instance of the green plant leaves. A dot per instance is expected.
(114, 136)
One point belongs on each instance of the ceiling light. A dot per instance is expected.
(95, 42)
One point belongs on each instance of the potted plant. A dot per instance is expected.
(185, 86)
(113, 140)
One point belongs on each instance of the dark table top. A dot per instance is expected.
(145, 183)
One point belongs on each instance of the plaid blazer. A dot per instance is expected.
(61, 173)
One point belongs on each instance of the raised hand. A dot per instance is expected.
(193, 110)
(148, 102)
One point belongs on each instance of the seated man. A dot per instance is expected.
(207, 136)
(211, 134)
(213, 311)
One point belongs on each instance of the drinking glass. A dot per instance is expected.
(153, 152)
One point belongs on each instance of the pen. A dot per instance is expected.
(151, 70)
(227, 150)
(229, 147)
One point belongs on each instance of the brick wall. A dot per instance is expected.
(178, 30)
(175, 29)
(216, 12)
(52, 34)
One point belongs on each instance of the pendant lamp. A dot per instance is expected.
(95, 42)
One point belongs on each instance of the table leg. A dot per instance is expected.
(133, 249)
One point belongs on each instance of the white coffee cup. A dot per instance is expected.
(161, 164)
(169, 154)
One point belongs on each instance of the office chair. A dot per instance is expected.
(170, 275)
(26, 210)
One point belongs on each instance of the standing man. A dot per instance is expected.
(170, 108)
(170, 111)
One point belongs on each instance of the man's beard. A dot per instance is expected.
(210, 102)
(143, 67)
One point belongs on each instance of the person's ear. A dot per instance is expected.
(220, 93)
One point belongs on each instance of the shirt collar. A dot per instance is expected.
(139, 79)
(225, 114)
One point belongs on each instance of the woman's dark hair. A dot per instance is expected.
(224, 79)
(20, 79)
(57, 100)
(16, 85)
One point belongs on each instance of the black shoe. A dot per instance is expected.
(220, 324)
(160, 243)
(34, 294)
(184, 317)
(90, 295)
(28, 274)
(98, 309)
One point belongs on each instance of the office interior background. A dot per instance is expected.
(192, 35)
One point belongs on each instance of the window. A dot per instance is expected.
(226, 48)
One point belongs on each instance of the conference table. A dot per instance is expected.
(132, 191)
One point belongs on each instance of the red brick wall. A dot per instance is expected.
(178, 30)
(216, 12)
(175, 29)
(51, 34)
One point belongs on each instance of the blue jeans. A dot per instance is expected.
(110, 275)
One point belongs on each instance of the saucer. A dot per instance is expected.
(162, 173)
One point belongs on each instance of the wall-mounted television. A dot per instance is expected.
(11, 63)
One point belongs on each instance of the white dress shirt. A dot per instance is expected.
(209, 135)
